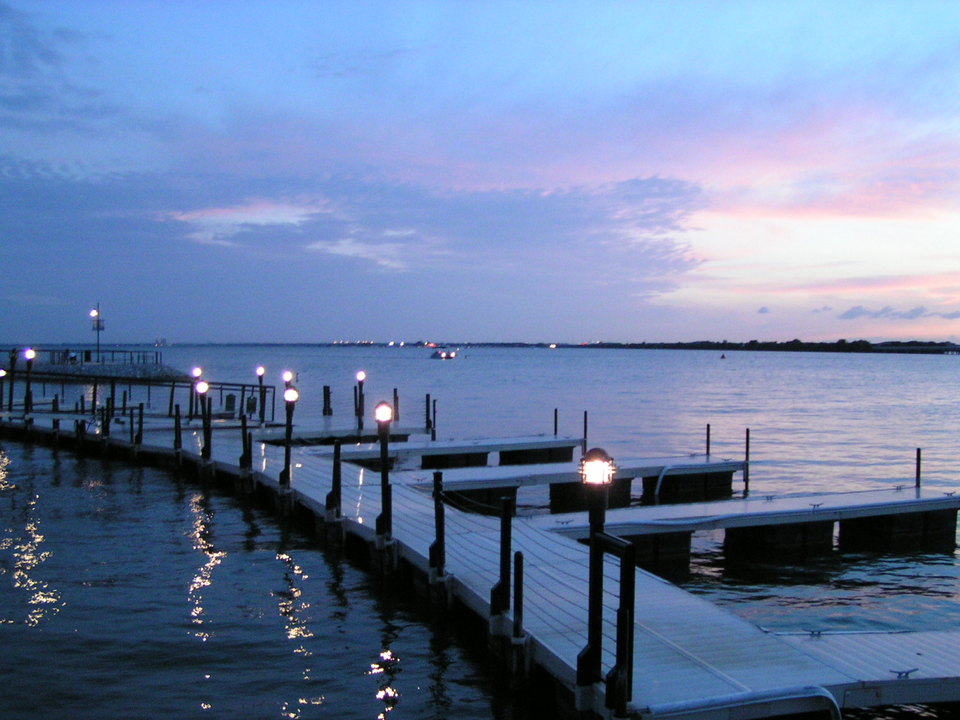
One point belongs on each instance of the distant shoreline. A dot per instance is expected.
(920, 347)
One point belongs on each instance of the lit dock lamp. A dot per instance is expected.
(261, 370)
(97, 326)
(196, 373)
(596, 473)
(290, 397)
(29, 354)
(287, 377)
(358, 402)
(383, 414)
(201, 389)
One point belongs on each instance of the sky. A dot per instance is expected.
(490, 171)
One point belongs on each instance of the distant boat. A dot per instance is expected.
(443, 354)
(722, 356)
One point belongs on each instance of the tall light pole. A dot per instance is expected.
(196, 373)
(263, 391)
(383, 414)
(3, 374)
(290, 397)
(97, 321)
(29, 354)
(596, 474)
(361, 376)
(201, 389)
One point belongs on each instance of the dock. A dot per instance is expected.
(665, 653)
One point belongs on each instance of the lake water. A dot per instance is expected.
(126, 593)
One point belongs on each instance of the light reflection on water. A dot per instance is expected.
(273, 627)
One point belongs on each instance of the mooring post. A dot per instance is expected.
(500, 593)
(917, 478)
(619, 681)
(173, 387)
(433, 422)
(426, 422)
(384, 523)
(138, 439)
(93, 398)
(56, 420)
(708, 439)
(333, 526)
(438, 548)
(555, 422)
(129, 415)
(12, 375)
(517, 595)
(746, 465)
(584, 447)
(334, 496)
(396, 406)
(245, 453)
(327, 407)
(177, 436)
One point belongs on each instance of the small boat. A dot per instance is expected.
(443, 354)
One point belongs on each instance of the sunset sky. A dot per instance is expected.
(492, 171)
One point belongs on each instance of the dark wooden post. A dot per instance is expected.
(555, 422)
(327, 407)
(500, 594)
(708, 439)
(396, 406)
(746, 466)
(917, 475)
(518, 594)
(138, 440)
(336, 490)
(177, 430)
(438, 548)
(427, 423)
(173, 387)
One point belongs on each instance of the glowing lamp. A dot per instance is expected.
(383, 412)
(29, 353)
(597, 467)
(361, 376)
(287, 376)
(260, 370)
(202, 387)
(197, 372)
(291, 395)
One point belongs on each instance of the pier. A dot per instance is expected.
(662, 652)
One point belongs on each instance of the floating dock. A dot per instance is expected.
(527, 579)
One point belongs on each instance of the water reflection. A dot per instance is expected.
(200, 534)
(27, 553)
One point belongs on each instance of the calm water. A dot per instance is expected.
(124, 593)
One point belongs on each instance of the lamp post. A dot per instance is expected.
(13, 378)
(201, 388)
(287, 379)
(290, 397)
(263, 392)
(29, 354)
(196, 373)
(361, 376)
(3, 374)
(596, 474)
(383, 414)
(97, 322)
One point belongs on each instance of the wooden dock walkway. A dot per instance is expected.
(691, 659)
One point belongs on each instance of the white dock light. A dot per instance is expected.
(361, 376)
(201, 387)
(29, 354)
(383, 413)
(260, 371)
(290, 397)
(597, 467)
(197, 372)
